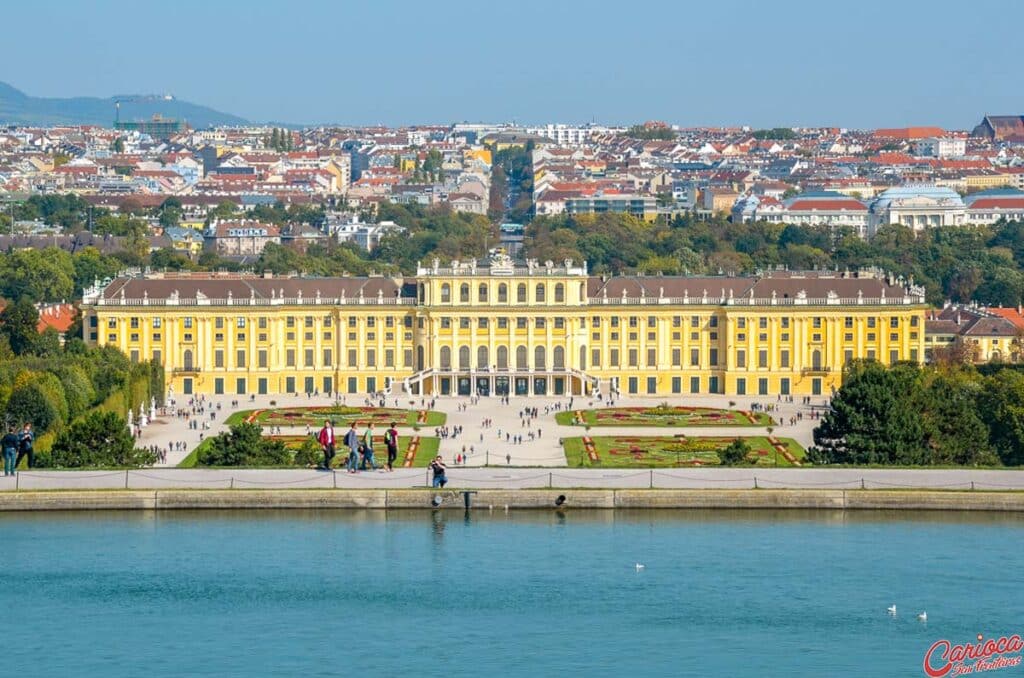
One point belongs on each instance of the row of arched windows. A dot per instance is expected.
(502, 358)
(540, 293)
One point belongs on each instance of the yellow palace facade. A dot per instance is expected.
(497, 328)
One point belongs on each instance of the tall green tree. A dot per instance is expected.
(875, 418)
(98, 439)
(19, 322)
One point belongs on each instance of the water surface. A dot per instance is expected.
(329, 593)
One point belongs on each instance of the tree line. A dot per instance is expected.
(909, 415)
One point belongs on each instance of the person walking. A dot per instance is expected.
(439, 469)
(326, 439)
(25, 446)
(10, 445)
(352, 442)
(391, 440)
(368, 449)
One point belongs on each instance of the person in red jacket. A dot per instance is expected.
(326, 438)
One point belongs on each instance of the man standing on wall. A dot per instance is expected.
(326, 439)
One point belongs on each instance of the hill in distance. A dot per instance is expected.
(18, 108)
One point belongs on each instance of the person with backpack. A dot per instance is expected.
(10, 446)
(391, 440)
(352, 442)
(26, 439)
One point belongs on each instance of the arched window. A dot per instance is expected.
(521, 358)
(502, 293)
(482, 361)
(559, 293)
(419, 357)
(558, 358)
(521, 293)
(187, 359)
(540, 292)
(583, 358)
(538, 358)
(464, 293)
(464, 358)
(422, 292)
(446, 293)
(816, 359)
(583, 292)
(446, 358)
(503, 357)
(482, 293)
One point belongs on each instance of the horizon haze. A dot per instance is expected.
(785, 64)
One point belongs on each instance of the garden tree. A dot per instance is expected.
(47, 344)
(1001, 405)
(650, 133)
(42, 275)
(244, 445)
(735, 453)
(117, 146)
(875, 418)
(168, 259)
(98, 439)
(108, 369)
(775, 134)
(78, 389)
(18, 323)
(954, 432)
(89, 266)
(32, 403)
(225, 209)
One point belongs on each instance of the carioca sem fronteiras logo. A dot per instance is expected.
(945, 659)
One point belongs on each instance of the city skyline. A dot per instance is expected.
(395, 63)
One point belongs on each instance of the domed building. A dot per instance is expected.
(917, 207)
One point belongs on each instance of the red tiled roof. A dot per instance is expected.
(998, 202)
(58, 316)
(1012, 314)
(909, 132)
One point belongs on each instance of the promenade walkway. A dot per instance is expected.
(523, 478)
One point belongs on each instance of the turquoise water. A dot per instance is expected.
(723, 593)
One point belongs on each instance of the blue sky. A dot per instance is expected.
(725, 62)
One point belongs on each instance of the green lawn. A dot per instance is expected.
(677, 417)
(341, 415)
(670, 452)
(424, 454)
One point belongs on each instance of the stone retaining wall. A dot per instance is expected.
(511, 499)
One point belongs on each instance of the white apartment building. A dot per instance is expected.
(568, 135)
(941, 147)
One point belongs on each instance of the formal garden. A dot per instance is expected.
(663, 415)
(342, 415)
(246, 446)
(681, 451)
